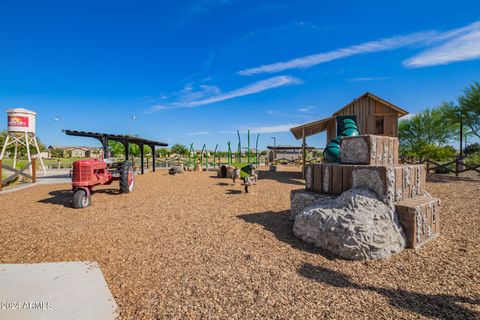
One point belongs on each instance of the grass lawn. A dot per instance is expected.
(52, 162)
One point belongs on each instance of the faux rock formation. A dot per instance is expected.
(300, 199)
(355, 225)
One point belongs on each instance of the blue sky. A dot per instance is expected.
(196, 71)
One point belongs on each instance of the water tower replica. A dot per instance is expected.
(21, 130)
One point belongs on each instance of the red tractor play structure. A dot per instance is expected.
(93, 172)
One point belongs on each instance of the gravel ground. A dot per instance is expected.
(194, 246)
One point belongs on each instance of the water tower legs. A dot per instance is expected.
(15, 155)
(5, 144)
(28, 151)
(40, 157)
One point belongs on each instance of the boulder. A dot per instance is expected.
(355, 225)
(176, 169)
(301, 198)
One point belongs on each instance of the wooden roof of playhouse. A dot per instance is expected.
(363, 101)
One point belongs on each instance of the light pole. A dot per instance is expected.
(274, 145)
(59, 118)
(274, 141)
(131, 119)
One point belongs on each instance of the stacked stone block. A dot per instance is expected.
(420, 219)
(372, 161)
(369, 150)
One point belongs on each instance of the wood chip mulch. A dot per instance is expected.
(194, 246)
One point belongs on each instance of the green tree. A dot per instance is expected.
(179, 149)
(163, 152)
(472, 148)
(469, 107)
(116, 148)
(56, 153)
(22, 150)
(426, 128)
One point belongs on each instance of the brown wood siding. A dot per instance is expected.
(365, 109)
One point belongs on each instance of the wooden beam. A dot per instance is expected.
(1, 177)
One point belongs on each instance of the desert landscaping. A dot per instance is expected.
(194, 246)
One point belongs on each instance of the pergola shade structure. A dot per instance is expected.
(125, 140)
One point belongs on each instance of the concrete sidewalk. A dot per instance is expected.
(60, 290)
(54, 176)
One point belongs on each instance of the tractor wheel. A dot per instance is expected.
(127, 177)
(81, 199)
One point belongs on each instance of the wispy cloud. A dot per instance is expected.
(461, 44)
(367, 47)
(198, 133)
(272, 112)
(360, 79)
(306, 109)
(445, 47)
(273, 129)
(256, 87)
(200, 7)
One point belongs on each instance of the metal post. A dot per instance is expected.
(202, 153)
(239, 151)
(461, 137)
(215, 156)
(104, 142)
(126, 146)
(248, 147)
(303, 152)
(141, 159)
(256, 150)
(153, 157)
(229, 153)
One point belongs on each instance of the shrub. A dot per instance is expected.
(472, 148)
(436, 153)
(473, 159)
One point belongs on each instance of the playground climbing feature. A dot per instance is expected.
(348, 128)
(366, 205)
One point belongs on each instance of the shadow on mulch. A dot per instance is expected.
(223, 184)
(437, 178)
(233, 192)
(290, 177)
(280, 225)
(429, 305)
(64, 197)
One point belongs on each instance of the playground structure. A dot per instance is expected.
(361, 186)
(233, 168)
(93, 172)
(372, 115)
(348, 128)
(201, 161)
